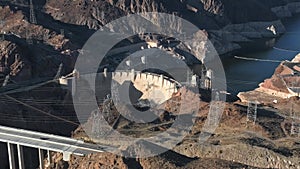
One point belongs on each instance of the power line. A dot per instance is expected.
(29, 116)
(255, 59)
(229, 32)
(46, 102)
(286, 50)
(32, 118)
(41, 111)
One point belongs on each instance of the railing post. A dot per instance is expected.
(66, 156)
(48, 158)
(41, 158)
(20, 157)
(11, 157)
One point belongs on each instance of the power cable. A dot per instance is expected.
(41, 111)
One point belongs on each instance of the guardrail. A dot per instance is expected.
(43, 142)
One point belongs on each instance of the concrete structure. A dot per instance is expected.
(206, 79)
(156, 88)
(43, 141)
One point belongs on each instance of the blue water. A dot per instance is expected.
(244, 75)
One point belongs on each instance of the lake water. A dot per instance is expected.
(244, 75)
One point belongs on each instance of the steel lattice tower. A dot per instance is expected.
(252, 112)
(32, 14)
(295, 125)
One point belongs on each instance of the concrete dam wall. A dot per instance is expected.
(154, 87)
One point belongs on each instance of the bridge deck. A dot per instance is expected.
(48, 141)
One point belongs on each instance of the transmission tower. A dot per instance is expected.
(98, 129)
(115, 93)
(295, 127)
(32, 14)
(106, 106)
(252, 111)
(213, 117)
(96, 119)
(29, 38)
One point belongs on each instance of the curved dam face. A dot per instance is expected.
(154, 87)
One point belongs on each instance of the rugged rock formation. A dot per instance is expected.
(235, 144)
(13, 62)
(213, 13)
(228, 23)
(286, 10)
(24, 44)
(15, 23)
(283, 84)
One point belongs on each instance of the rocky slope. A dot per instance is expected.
(235, 144)
(227, 22)
(214, 14)
(283, 84)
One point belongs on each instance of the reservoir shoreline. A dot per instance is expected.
(244, 75)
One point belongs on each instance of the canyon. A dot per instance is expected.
(31, 53)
